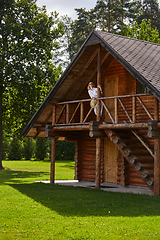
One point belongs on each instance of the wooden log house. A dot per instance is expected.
(123, 146)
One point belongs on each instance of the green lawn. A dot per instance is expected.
(33, 210)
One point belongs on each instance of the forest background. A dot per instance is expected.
(37, 47)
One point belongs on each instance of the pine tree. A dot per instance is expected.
(150, 10)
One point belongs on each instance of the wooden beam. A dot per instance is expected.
(143, 143)
(125, 110)
(157, 166)
(95, 71)
(107, 110)
(98, 163)
(124, 126)
(134, 109)
(87, 115)
(52, 170)
(47, 119)
(67, 113)
(83, 71)
(60, 113)
(156, 109)
(53, 114)
(71, 128)
(98, 82)
(145, 108)
(82, 112)
(116, 110)
(74, 113)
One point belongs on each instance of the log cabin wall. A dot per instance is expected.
(87, 159)
(126, 175)
(86, 147)
(127, 85)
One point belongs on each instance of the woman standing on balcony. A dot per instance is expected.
(92, 91)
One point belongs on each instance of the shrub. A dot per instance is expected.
(65, 150)
(29, 146)
(15, 152)
(42, 148)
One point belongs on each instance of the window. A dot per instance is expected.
(141, 88)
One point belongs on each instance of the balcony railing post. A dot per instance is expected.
(98, 83)
(134, 109)
(67, 113)
(82, 112)
(116, 110)
(156, 109)
(64, 114)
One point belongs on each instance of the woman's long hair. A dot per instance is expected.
(88, 87)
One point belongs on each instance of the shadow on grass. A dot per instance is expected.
(76, 201)
(8, 175)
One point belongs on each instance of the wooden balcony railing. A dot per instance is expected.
(117, 109)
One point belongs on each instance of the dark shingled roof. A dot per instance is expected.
(143, 58)
(140, 58)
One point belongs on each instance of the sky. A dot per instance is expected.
(66, 7)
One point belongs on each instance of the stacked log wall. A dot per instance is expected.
(87, 159)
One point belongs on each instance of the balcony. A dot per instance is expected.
(117, 110)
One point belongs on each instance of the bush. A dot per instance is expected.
(42, 148)
(15, 152)
(29, 146)
(65, 150)
(15, 148)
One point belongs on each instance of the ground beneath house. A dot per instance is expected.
(104, 186)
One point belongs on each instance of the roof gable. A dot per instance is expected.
(140, 58)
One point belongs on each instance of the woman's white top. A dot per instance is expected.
(93, 93)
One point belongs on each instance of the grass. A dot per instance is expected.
(33, 210)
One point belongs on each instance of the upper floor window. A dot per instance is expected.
(141, 88)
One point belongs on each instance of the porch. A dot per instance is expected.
(117, 110)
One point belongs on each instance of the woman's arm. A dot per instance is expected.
(99, 86)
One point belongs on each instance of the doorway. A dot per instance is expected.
(110, 150)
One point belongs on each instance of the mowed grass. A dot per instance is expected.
(34, 210)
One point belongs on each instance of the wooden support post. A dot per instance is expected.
(134, 109)
(53, 114)
(98, 163)
(52, 170)
(156, 109)
(67, 113)
(157, 166)
(64, 115)
(98, 83)
(116, 110)
(82, 112)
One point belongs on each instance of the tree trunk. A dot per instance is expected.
(1, 131)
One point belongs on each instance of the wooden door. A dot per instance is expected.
(110, 161)
(110, 89)
(110, 150)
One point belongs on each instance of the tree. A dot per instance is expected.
(107, 15)
(150, 10)
(61, 53)
(27, 37)
(144, 31)
(42, 148)
(81, 28)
